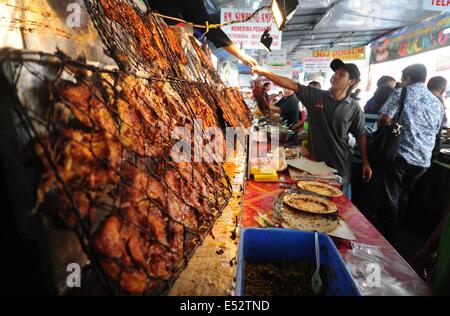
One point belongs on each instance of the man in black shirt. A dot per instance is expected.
(194, 11)
(287, 107)
(332, 115)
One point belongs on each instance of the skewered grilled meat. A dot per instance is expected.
(147, 39)
(114, 164)
(86, 164)
(262, 100)
(131, 257)
(85, 103)
(119, 167)
(174, 41)
(238, 105)
(156, 41)
(151, 43)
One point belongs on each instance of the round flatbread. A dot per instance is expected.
(292, 218)
(290, 154)
(309, 203)
(320, 188)
(308, 222)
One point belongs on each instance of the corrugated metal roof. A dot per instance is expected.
(325, 24)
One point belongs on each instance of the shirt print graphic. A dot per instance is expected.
(422, 119)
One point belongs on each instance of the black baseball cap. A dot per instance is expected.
(352, 69)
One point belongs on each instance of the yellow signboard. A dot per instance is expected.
(358, 53)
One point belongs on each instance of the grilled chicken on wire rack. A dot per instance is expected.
(104, 141)
(118, 171)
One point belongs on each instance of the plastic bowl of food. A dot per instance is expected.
(284, 249)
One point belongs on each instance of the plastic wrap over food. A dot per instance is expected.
(375, 274)
(350, 15)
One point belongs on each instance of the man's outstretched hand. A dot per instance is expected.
(258, 70)
(249, 61)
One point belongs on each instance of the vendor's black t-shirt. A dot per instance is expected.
(191, 11)
(289, 109)
(330, 122)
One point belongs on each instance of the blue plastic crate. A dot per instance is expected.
(285, 244)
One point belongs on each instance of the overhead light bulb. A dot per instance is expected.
(283, 11)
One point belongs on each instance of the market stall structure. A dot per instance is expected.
(88, 118)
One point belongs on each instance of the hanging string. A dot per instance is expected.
(207, 26)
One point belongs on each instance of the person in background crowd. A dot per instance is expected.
(280, 95)
(355, 95)
(422, 119)
(371, 114)
(194, 11)
(438, 86)
(386, 81)
(385, 85)
(276, 97)
(439, 241)
(332, 115)
(273, 97)
(380, 97)
(447, 111)
(287, 107)
(385, 88)
(267, 87)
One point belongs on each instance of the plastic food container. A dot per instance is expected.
(285, 244)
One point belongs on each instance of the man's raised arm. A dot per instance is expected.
(278, 80)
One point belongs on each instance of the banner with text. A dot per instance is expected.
(436, 5)
(358, 53)
(277, 58)
(284, 71)
(317, 64)
(443, 62)
(429, 35)
(248, 35)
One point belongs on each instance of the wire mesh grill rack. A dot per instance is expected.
(103, 139)
(142, 43)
